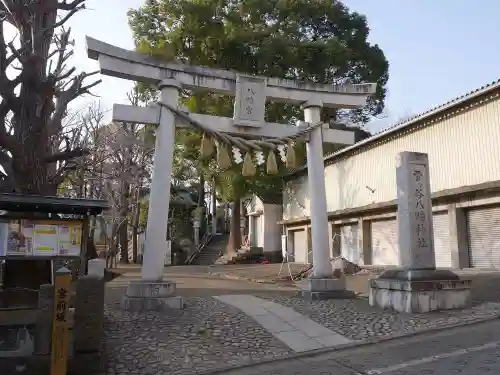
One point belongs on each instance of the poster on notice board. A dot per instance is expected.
(45, 239)
(28, 238)
(16, 237)
(70, 239)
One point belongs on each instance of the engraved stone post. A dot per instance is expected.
(418, 286)
(416, 246)
(96, 268)
(88, 329)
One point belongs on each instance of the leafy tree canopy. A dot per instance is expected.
(321, 41)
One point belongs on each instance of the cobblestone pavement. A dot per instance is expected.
(210, 336)
(357, 320)
(206, 335)
(470, 350)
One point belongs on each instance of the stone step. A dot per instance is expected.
(210, 253)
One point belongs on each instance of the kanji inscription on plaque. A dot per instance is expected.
(250, 101)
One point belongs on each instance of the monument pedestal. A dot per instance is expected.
(321, 288)
(144, 295)
(420, 291)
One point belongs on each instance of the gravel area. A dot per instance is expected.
(206, 335)
(357, 320)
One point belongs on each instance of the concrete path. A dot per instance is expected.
(295, 330)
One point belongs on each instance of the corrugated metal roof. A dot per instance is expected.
(409, 123)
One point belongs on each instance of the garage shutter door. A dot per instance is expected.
(385, 243)
(349, 243)
(300, 246)
(442, 240)
(483, 232)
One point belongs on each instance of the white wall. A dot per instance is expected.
(272, 230)
(463, 150)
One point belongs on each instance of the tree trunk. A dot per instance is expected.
(214, 209)
(123, 241)
(113, 244)
(123, 226)
(135, 225)
(30, 174)
(201, 191)
(234, 232)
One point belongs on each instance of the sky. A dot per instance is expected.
(437, 50)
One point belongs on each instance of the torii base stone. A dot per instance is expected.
(151, 296)
(322, 288)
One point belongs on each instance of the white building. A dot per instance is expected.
(264, 230)
(461, 138)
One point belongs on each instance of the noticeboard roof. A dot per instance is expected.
(54, 205)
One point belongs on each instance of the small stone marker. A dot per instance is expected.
(96, 268)
(416, 240)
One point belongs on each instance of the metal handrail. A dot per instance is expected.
(205, 240)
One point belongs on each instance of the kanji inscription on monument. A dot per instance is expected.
(250, 101)
(415, 233)
(420, 194)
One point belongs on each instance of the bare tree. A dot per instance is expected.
(129, 160)
(35, 155)
(116, 168)
(87, 130)
(34, 102)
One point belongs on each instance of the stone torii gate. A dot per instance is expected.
(251, 94)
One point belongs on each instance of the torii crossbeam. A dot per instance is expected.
(251, 94)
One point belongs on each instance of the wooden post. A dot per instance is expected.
(62, 290)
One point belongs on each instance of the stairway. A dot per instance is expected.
(211, 252)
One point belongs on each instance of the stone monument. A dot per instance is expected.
(418, 286)
(251, 94)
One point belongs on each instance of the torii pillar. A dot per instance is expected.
(251, 94)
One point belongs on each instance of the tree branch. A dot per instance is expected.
(64, 5)
(66, 155)
(64, 97)
(70, 14)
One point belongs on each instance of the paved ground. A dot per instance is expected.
(229, 330)
(206, 335)
(357, 320)
(470, 350)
